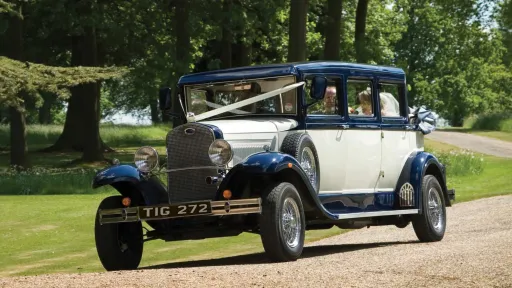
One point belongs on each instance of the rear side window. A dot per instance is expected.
(389, 95)
(360, 100)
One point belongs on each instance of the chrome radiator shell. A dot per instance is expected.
(187, 147)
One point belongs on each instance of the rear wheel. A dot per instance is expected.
(430, 225)
(282, 223)
(119, 245)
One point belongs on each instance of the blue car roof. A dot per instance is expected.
(274, 70)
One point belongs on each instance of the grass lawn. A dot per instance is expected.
(55, 233)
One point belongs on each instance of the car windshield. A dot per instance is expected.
(202, 98)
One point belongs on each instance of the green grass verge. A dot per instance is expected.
(493, 180)
(55, 233)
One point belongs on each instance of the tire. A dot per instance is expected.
(426, 226)
(279, 199)
(302, 148)
(114, 255)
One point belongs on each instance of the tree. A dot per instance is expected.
(27, 79)
(17, 121)
(333, 30)
(297, 30)
(20, 79)
(452, 62)
(359, 38)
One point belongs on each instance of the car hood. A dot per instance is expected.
(260, 125)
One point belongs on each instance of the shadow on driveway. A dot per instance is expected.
(260, 258)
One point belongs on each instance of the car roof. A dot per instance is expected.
(274, 70)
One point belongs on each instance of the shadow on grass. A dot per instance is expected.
(261, 258)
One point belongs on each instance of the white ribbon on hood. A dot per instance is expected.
(194, 118)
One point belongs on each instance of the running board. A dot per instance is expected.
(376, 214)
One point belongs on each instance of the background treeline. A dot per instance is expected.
(457, 54)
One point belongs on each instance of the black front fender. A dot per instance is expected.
(128, 181)
(118, 173)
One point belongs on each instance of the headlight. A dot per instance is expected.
(220, 152)
(146, 159)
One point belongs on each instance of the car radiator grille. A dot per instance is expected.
(190, 151)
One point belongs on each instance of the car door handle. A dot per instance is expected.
(343, 126)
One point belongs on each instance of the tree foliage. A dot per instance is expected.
(456, 53)
(17, 76)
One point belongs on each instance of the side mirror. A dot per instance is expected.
(165, 100)
(318, 87)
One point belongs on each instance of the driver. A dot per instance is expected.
(330, 100)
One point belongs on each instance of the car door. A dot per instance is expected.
(322, 122)
(361, 141)
(396, 137)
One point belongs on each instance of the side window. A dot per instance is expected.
(330, 104)
(389, 99)
(360, 100)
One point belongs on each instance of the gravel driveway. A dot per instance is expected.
(475, 143)
(476, 252)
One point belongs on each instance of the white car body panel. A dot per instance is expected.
(331, 155)
(396, 147)
(362, 162)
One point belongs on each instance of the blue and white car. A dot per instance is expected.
(277, 150)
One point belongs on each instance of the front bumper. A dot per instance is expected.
(180, 210)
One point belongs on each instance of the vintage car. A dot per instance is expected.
(277, 150)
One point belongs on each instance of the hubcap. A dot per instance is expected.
(435, 210)
(307, 161)
(291, 223)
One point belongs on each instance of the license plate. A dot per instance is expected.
(177, 210)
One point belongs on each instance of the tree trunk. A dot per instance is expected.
(182, 51)
(333, 30)
(153, 106)
(297, 30)
(45, 111)
(81, 128)
(19, 150)
(91, 93)
(243, 54)
(359, 40)
(227, 36)
(18, 141)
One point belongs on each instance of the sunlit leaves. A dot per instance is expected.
(16, 76)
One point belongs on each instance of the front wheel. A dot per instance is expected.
(430, 225)
(119, 245)
(282, 223)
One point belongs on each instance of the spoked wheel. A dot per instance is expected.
(119, 245)
(300, 146)
(282, 223)
(430, 225)
(308, 163)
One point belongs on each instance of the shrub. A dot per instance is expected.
(460, 163)
(42, 181)
(494, 122)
